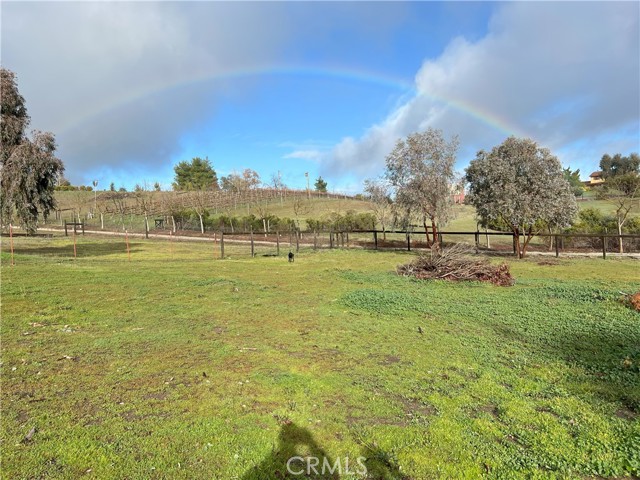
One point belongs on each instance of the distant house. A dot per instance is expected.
(595, 178)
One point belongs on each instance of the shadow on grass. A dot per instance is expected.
(298, 456)
(381, 465)
(92, 249)
(290, 459)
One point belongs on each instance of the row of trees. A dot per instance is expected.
(199, 174)
(517, 186)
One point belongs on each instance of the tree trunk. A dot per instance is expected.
(516, 242)
(525, 241)
(434, 233)
(620, 249)
(101, 221)
(426, 231)
(173, 221)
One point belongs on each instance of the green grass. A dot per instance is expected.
(177, 365)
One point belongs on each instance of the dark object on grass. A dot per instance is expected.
(291, 257)
(455, 263)
(29, 435)
(420, 330)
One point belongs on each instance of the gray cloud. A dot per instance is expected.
(95, 73)
(566, 74)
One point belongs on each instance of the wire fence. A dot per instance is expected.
(276, 243)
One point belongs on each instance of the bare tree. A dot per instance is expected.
(301, 207)
(421, 170)
(380, 202)
(623, 193)
(263, 211)
(198, 201)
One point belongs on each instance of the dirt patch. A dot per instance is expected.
(491, 409)
(548, 262)
(389, 360)
(626, 414)
(547, 410)
(416, 408)
(156, 396)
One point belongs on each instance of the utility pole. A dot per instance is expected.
(95, 196)
(306, 174)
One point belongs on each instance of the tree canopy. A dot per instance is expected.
(198, 174)
(29, 168)
(241, 182)
(320, 185)
(521, 186)
(573, 177)
(421, 170)
(619, 165)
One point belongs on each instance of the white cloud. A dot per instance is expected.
(560, 73)
(314, 155)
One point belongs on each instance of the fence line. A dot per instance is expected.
(341, 238)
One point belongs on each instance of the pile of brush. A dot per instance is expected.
(456, 264)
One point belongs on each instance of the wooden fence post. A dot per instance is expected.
(315, 240)
(252, 247)
(298, 242)
(278, 243)
(408, 242)
(375, 239)
(222, 245)
(604, 247)
(555, 238)
(330, 239)
(66, 233)
(11, 242)
(126, 238)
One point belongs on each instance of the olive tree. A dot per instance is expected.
(522, 187)
(421, 170)
(29, 168)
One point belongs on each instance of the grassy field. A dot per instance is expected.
(178, 365)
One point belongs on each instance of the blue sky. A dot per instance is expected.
(130, 89)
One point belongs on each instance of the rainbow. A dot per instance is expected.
(340, 73)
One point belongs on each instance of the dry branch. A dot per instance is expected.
(455, 263)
